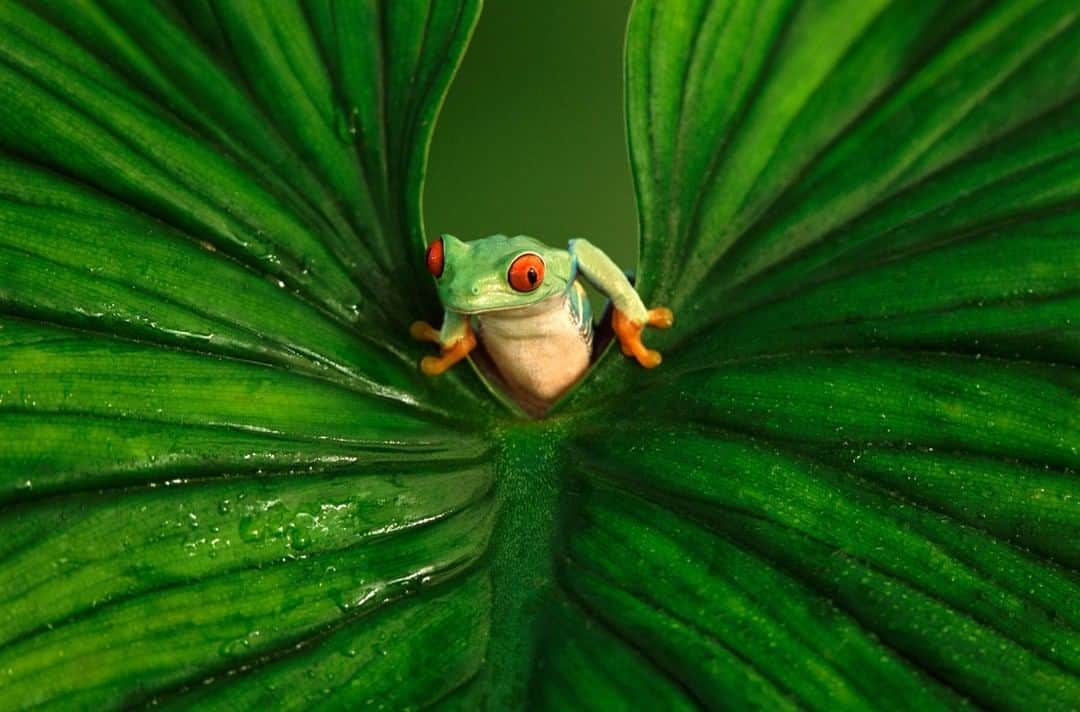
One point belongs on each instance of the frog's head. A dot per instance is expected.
(497, 272)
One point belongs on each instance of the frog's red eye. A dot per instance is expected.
(434, 257)
(526, 272)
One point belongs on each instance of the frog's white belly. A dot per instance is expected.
(539, 349)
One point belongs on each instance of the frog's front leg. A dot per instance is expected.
(456, 340)
(630, 316)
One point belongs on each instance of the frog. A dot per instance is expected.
(525, 302)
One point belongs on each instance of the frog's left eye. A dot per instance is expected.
(435, 258)
(526, 272)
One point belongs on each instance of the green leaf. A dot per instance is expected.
(217, 454)
(852, 483)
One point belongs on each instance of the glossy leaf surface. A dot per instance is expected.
(853, 481)
(851, 484)
(217, 458)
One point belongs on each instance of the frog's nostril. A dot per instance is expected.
(476, 289)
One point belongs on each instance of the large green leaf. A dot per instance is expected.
(852, 483)
(218, 460)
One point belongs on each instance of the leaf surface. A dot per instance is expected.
(221, 472)
(853, 481)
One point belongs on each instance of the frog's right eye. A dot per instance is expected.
(435, 259)
(526, 272)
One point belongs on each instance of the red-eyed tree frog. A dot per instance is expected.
(525, 302)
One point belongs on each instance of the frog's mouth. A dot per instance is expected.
(526, 309)
(474, 311)
(473, 306)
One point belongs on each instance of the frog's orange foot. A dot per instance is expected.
(629, 334)
(437, 365)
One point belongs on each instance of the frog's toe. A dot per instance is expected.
(642, 354)
(661, 318)
(423, 331)
(649, 358)
(433, 365)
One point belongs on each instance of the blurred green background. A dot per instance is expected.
(532, 138)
